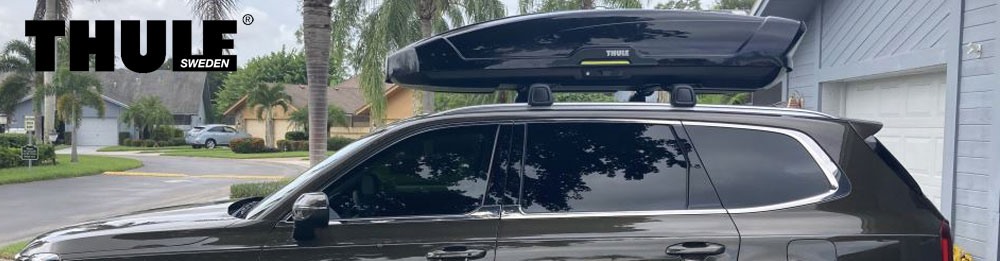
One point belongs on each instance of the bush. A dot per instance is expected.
(177, 142)
(296, 136)
(255, 189)
(249, 145)
(165, 133)
(13, 140)
(149, 143)
(123, 137)
(11, 157)
(337, 143)
(293, 145)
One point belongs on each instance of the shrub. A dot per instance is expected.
(296, 136)
(283, 145)
(249, 145)
(11, 157)
(13, 140)
(337, 143)
(293, 145)
(255, 189)
(165, 133)
(123, 137)
(177, 142)
(149, 143)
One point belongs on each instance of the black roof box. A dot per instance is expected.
(601, 50)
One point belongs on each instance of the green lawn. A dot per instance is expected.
(130, 148)
(88, 165)
(229, 154)
(8, 251)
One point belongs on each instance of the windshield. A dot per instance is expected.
(271, 200)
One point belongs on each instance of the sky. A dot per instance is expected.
(274, 26)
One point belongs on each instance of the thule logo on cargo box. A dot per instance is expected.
(617, 53)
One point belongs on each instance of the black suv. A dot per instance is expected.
(565, 181)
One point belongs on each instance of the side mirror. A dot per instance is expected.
(310, 211)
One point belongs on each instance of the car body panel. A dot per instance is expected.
(221, 134)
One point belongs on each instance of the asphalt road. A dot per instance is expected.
(29, 209)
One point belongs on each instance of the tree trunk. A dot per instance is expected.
(49, 102)
(426, 9)
(76, 129)
(269, 129)
(316, 37)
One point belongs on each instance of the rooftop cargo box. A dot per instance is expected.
(601, 50)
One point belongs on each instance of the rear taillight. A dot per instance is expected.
(946, 242)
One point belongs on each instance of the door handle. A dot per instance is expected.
(695, 249)
(456, 253)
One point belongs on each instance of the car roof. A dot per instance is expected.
(639, 106)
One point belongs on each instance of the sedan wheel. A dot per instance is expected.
(210, 144)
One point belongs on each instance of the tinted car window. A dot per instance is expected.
(434, 173)
(586, 167)
(753, 168)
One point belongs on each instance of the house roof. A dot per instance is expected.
(390, 90)
(346, 95)
(792, 9)
(180, 92)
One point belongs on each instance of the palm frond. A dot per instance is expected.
(213, 9)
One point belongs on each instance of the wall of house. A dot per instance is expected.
(977, 182)
(255, 127)
(399, 105)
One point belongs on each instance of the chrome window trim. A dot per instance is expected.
(826, 164)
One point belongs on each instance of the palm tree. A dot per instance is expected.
(537, 6)
(18, 59)
(316, 38)
(335, 117)
(74, 91)
(391, 24)
(264, 98)
(146, 113)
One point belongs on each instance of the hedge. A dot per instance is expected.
(247, 190)
(13, 140)
(249, 145)
(11, 157)
(122, 137)
(165, 133)
(296, 136)
(293, 145)
(337, 143)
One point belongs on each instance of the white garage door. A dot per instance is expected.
(912, 110)
(98, 132)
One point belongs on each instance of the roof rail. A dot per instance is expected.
(651, 106)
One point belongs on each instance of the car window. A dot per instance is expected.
(215, 129)
(597, 167)
(439, 172)
(230, 129)
(752, 168)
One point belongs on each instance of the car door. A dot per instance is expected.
(229, 133)
(422, 198)
(611, 190)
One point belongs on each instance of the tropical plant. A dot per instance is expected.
(745, 5)
(539, 6)
(680, 4)
(384, 26)
(724, 99)
(316, 38)
(18, 59)
(335, 117)
(285, 66)
(74, 91)
(264, 98)
(145, 114)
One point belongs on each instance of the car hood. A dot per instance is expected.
(166, 227)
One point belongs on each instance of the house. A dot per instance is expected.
(927, 69)
(398, 104)
(180, 92)
(346, 95)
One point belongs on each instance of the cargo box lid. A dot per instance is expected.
(601, 50)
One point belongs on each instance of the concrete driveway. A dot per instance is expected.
(29, 209)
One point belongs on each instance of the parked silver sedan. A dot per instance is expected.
(209, 136)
